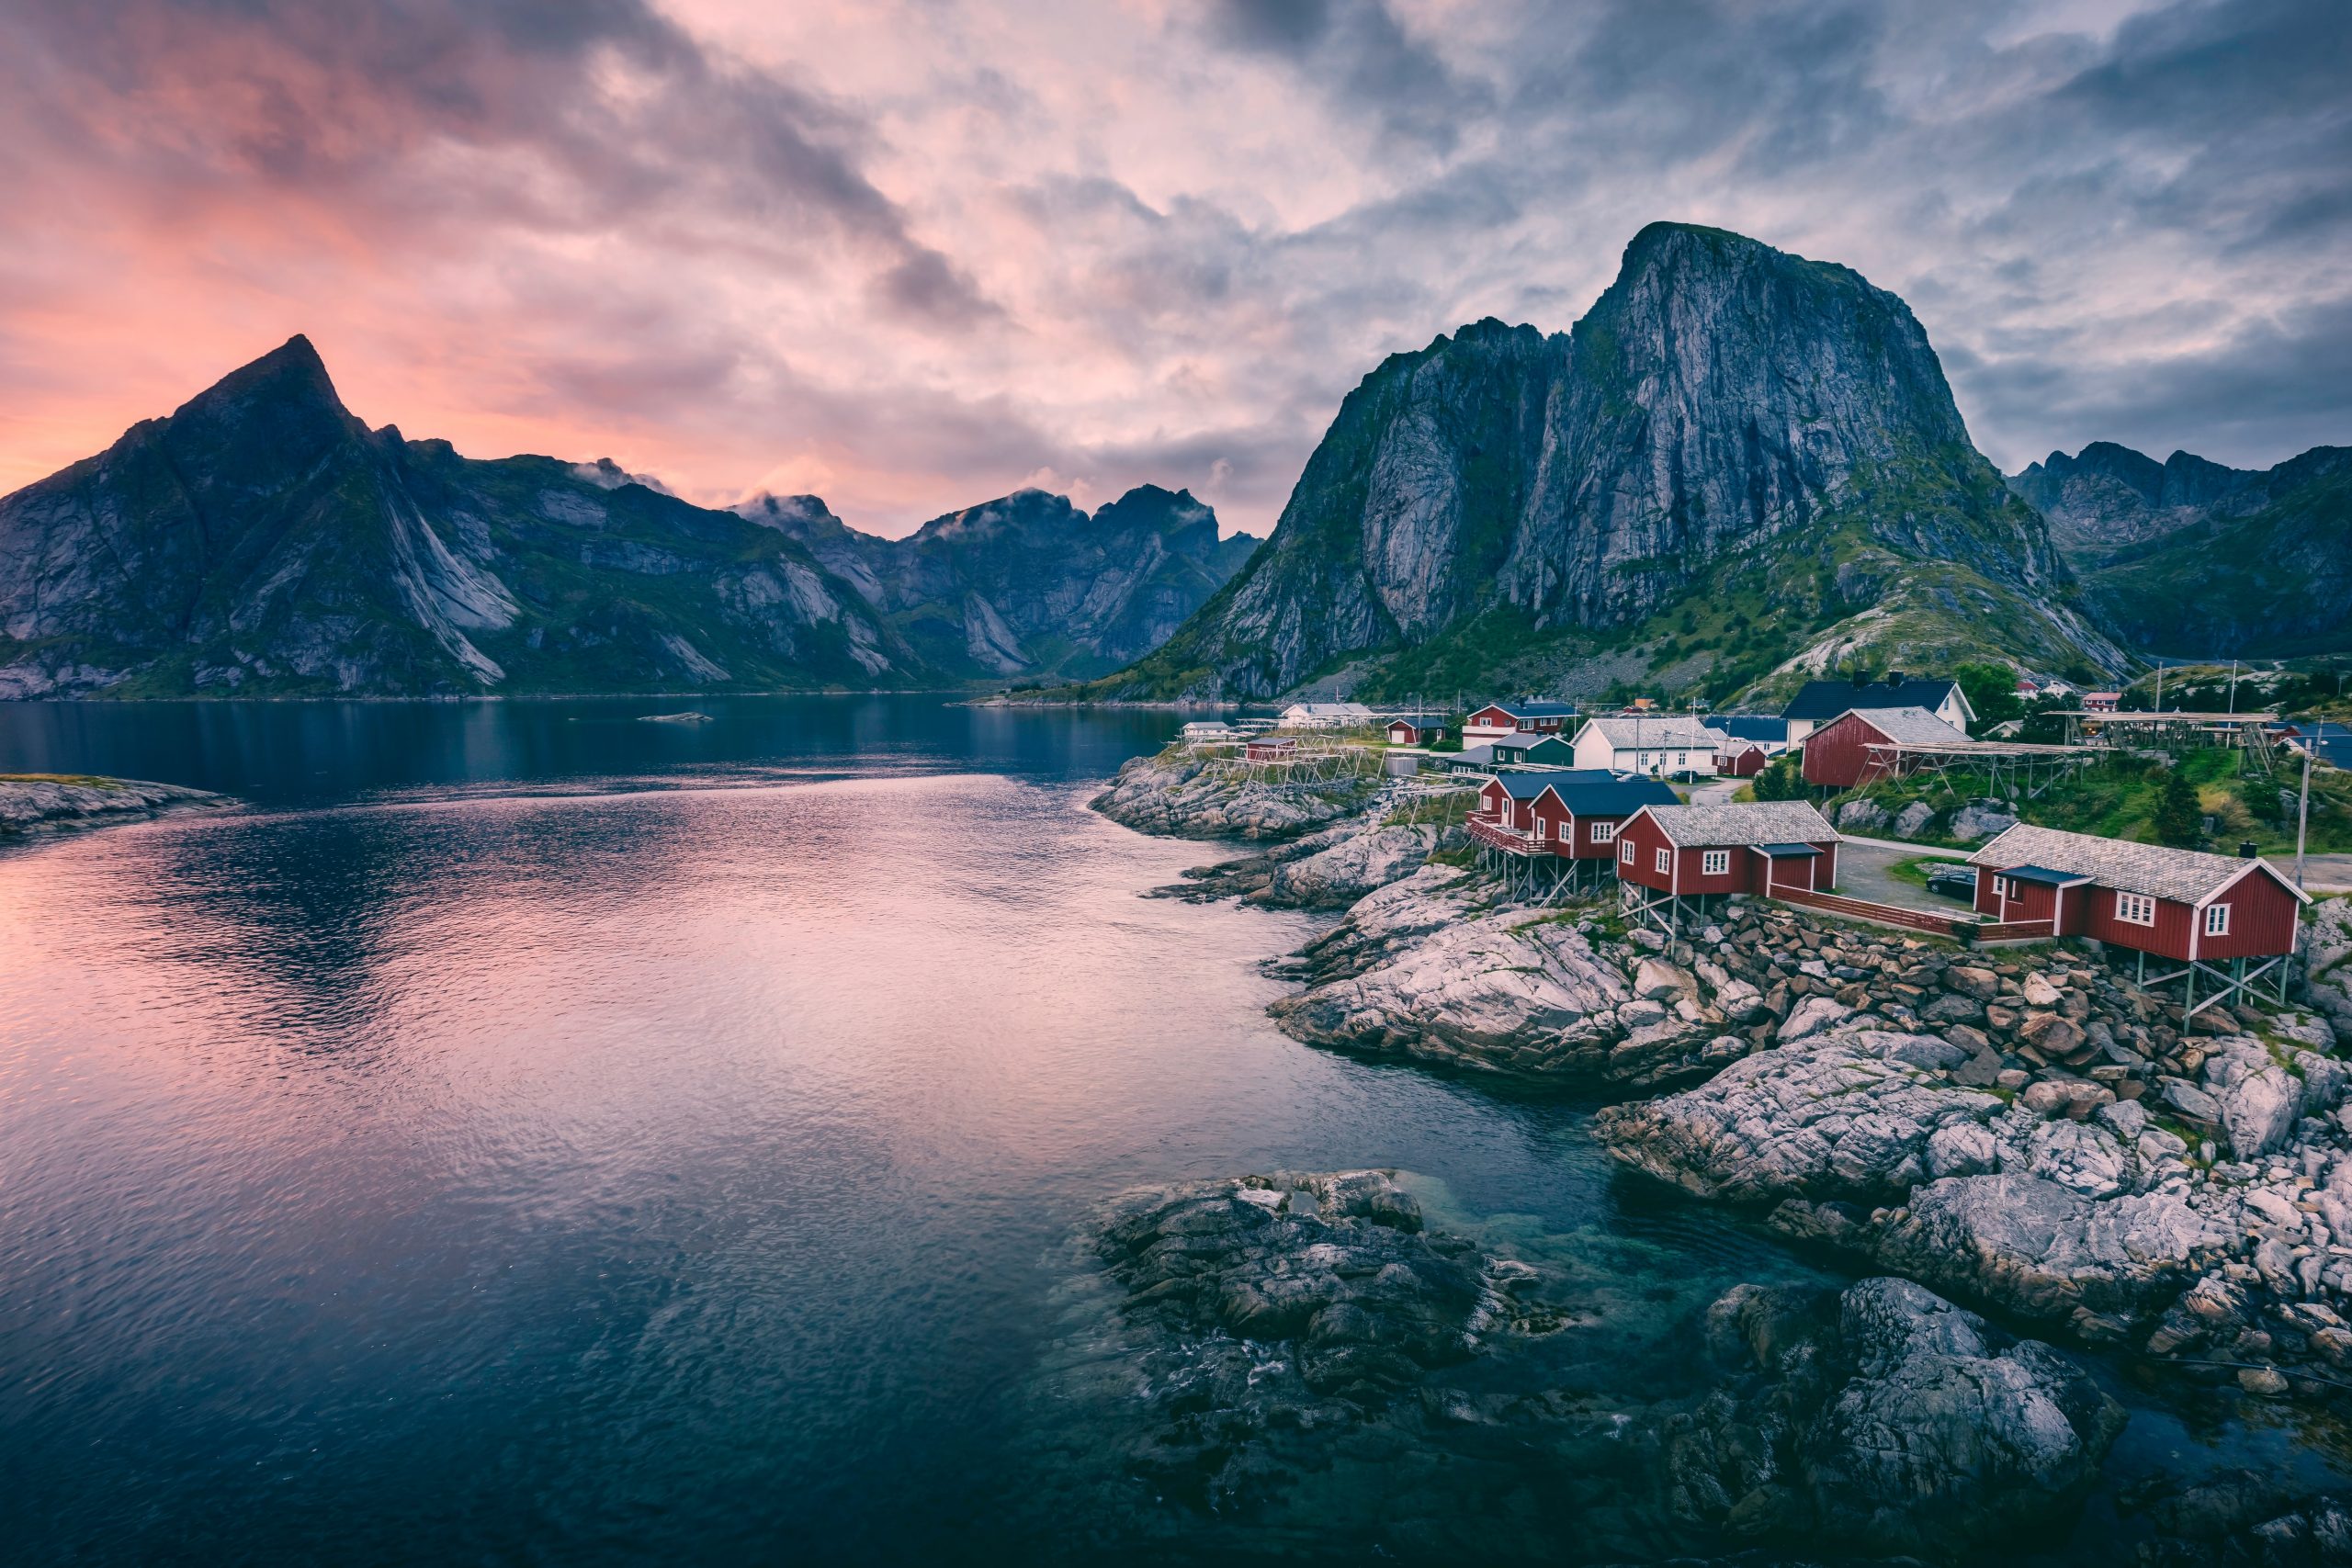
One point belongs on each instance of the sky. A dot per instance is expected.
(910, 255)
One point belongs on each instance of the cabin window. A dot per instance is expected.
(1604, 832)
(1715, 862)
(2217, 920)
(1665, 860)
(2135, 909)
(1625, 851)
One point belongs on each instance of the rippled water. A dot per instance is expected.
(526, 1133)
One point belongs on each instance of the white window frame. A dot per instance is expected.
(1625, 851)
(2135, 909)
(2217, 920)
(1538, 819)
(1604, 832)
(1714, 862)
(1665, 862)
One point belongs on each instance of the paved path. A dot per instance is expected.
(1864, 871)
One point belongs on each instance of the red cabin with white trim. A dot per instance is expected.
(1837, 755)
(1279, 749)
(1704, 850)
(2179, 904)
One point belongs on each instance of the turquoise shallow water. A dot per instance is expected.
(523, 1134)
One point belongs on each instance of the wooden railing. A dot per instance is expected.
(1512, 839)
(2013, 931)
(1928, 920)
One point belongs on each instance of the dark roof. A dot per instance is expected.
(1751, 726)
(2043, 874)
(1823, 700)
(1593, 792)
(1531, 710)
(1787, 852)
(1474, 757)
(1522, 741)
(1525, 786)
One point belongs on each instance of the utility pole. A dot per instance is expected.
(2303, 805)
(2233, 685)
(2160, 685)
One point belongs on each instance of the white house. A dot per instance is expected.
(1327, 715)
(1650, 743)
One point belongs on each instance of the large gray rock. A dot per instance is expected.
(1861, 816)
(1949, 1434)
(1180, 796)
(1913, 819)
(37, 803)
(2032, 1246)
(2260, 1100)
(1356, 864)
(1981, 819)
(1851, 1114)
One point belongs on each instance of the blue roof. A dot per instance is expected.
(1787, 852)
(2042, 873)
(1821, 701)
(1531, 710)
(1526, 786)
(1595, 792)
(1750, 727)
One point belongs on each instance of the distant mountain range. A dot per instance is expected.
(2191, 559)
(261, 540)
(1739, 467)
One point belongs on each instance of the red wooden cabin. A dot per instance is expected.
(1837, 754)
(1704, 851)
(1497, 719)
(1573, 815)
(1410, 732)
(1739, 760)
(1281, 749)
(2183, 905)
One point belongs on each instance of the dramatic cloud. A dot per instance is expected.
(909, 255)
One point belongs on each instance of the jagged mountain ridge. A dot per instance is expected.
(2194, 559)
(262, 540)
(1029, 584)
(1734, 445)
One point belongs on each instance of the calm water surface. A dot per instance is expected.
(524, 1134)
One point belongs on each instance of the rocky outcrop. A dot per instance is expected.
(1723, 402)
(1328, 870)
(1184, 795)
(33, 803)
(1268, 1328)
(1857, 1112)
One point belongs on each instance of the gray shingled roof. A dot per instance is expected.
(1658, 729)
(1752, 823)
(2189, 877)
(1908, 726)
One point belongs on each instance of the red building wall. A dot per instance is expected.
(1834, 757)
(1647, 840)
(2168, 937)
(1745, 763)
(1586, 847)
(2262, 921)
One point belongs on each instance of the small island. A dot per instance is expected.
(37, 803)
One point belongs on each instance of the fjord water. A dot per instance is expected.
(524, 1132)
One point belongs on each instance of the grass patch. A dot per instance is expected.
(1915, 870)
(85, 780)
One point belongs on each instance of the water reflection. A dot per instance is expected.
(477, 1154)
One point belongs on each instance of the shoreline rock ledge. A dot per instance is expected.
(1283, 1324)
(1176, 795)
(48, 803)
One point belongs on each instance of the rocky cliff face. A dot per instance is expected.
(1731, 430)
(262, 540)
(2191, 558)
(1029, 585)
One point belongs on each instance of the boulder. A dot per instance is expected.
(1851, 1113)
(1861, 816)
(1949, 1434)
(2259, 1102)
(1913, 819)
(1981, 819)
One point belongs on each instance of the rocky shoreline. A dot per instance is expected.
(45, 803)
(2019, 1130)
(1179, 794)
(1278, 1328)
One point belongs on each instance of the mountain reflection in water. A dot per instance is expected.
(525, 1132)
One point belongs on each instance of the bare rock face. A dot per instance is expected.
(37, 803)
(2258, 1100)
(1722, 401)
(1849, 1114)
(1949, 1432)
(1177, 796)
